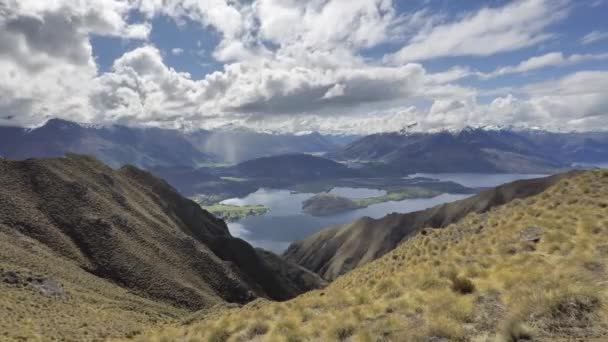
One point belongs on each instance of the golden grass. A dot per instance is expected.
(475, 280)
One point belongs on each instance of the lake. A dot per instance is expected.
(478, 180)
(285, 222)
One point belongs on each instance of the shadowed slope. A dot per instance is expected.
(129, 229)
(338, 249)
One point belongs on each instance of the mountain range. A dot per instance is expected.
(118, 145)
(114, 145)
(235, 146)
(476, 150)
(399, 153)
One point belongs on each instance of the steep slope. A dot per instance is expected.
(533, 269)
(476, 150)
(138, 246)
(114, 145)
(338, 249)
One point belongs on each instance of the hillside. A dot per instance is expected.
(476, 150)
(114, 145)
(235, 146)
(293, 167)
(324, 204)
(88, 252)
(533, 269)
(338, 249)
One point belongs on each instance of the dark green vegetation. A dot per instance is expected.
(475, 150)
(324, 204)
(235, 212)
(88, 252)
(339, 249)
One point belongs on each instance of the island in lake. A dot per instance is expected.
(235, 212)
(325, 204)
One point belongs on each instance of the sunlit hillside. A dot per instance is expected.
(531, 269)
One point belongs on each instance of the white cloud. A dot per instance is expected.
(552, 59)
(288, 65)
(46, 58)
(486, 32)
(594, 36)
(177, 51)
(335, 91)
(141, 88)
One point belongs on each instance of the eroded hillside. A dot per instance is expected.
(534, 268)
(88, 252)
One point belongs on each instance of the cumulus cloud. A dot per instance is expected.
(46, 58)
(141, 88)
(287, 66)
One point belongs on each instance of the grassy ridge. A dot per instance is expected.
(531, 269)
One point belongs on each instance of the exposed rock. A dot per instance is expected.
(532, 234)
(11, 278)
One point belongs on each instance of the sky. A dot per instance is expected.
(333, 66)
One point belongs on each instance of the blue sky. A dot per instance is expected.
(334, 66)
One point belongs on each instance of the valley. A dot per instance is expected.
(260, 232)
(303, 171)
(531, 269)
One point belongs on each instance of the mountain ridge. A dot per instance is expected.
(336, 250)
(124, 229)
(476, 150)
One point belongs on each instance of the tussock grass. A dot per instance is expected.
(475, 280)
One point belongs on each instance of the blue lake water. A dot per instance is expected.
(285, 222)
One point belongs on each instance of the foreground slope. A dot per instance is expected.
(86, 250)
(532, 269)
(338, 249)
